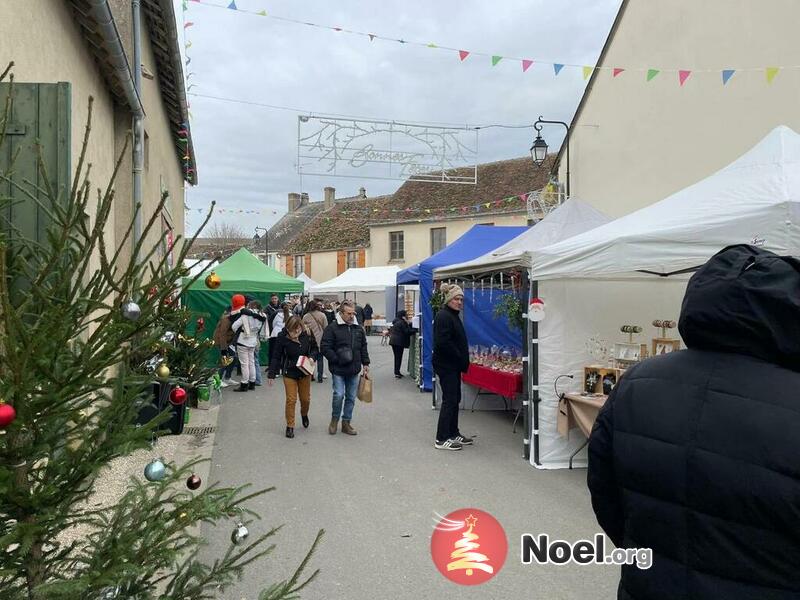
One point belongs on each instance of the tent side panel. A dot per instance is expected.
(576, 311)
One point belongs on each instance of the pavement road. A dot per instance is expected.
(375, 494)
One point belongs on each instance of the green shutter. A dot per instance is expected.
(40, 117)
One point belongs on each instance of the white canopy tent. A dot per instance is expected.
(307, 281)
(635, 269)
(198, 266)
(569, 219)
(754, 200)
(365, 279)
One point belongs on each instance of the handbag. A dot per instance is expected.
(307, 365)
(364, 388)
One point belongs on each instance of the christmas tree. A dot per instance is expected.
(465, 555)
(74, 314)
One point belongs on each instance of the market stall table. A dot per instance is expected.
(583, 411)
(491, 381)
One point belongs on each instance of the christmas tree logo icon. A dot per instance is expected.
(468, 546)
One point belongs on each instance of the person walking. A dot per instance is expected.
(400, 339)
(281, 318)
(316, 322)
(344, 344)
(263, 335)
(695, 453)
(368, 312)
(360, 314)
(293, 342)
(246, 325)
(450, 360)
(330, 313)
(223, 339)
(272, 309)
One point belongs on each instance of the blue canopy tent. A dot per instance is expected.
(477, 308)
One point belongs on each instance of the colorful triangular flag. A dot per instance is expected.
(771, 72)
(262, 13)
(526, 64)
(232, 5)
(337, 28)
(495, 60)
(488, 205)
(651, 73)
(187, 24)
(557, 68)
(616, 71)
(727, 74)
(463, 54)
(371, 36)
(683, 75)
(432, 45)
(522, 197)
(586, 72)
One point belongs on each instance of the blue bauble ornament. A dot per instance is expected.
(155, 471)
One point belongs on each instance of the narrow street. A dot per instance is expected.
(375, 495)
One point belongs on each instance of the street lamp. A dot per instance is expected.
(257, 237)
(539, 147)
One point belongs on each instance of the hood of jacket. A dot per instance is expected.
(340, 320)
(745, 300)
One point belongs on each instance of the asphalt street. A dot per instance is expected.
(375, 494)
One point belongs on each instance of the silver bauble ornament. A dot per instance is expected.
(109, 593)
(155, 471)
(239, 534)
(131, 310)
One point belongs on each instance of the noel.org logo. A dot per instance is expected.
(468, 546)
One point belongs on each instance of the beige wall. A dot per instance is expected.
(41, 37)
(323, 265)
(46, 45)
(417, 237)
(637, 142)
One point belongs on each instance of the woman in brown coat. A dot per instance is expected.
(316, 322)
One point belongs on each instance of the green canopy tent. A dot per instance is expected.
(244, 274)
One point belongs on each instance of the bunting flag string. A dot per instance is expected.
(587, 71)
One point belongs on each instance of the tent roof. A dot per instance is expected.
(365, 279)
(243, 272)
(306, 280)
(198, 266)
(571, 218)
(754, 200)
(475, 242)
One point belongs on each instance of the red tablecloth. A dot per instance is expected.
(497, 382)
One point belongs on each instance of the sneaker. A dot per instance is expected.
(223, 384)
(228, 382)
(447, 445)
(463, 440)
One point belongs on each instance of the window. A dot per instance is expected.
(396, 245)
(438, 239)
(352, 259)
(299, 264)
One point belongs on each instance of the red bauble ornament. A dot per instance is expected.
(193, 482)
(177, 396)
(7, 415)
(201, 324)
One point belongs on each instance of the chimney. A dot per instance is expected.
(362, 192)
(303, 199)
(330, 197)
(294, 202)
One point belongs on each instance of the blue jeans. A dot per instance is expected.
(344, 389)
(258, 368)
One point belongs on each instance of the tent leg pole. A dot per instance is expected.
(534, 368)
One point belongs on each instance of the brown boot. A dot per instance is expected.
(348, 429)
(333, 426)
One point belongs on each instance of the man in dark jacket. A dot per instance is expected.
(450, 360)
(360, 315)
(400, 339)
(696, 454)
(344, 344)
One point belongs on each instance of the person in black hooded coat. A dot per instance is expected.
(696, 454)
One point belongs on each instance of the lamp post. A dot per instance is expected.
(257, 237)
(539, 147)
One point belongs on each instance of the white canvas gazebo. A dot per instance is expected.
(635, 269)
(364, 279)
(307, 281)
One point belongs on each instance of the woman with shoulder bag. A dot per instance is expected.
(400, 339)
(292, 344)
(316, 322)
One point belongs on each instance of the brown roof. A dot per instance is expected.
(347, 224)
(344, 226)
(161, 24)
(291, 225)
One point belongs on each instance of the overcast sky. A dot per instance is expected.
(247, 154)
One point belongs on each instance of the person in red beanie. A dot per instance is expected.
(246, 325)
